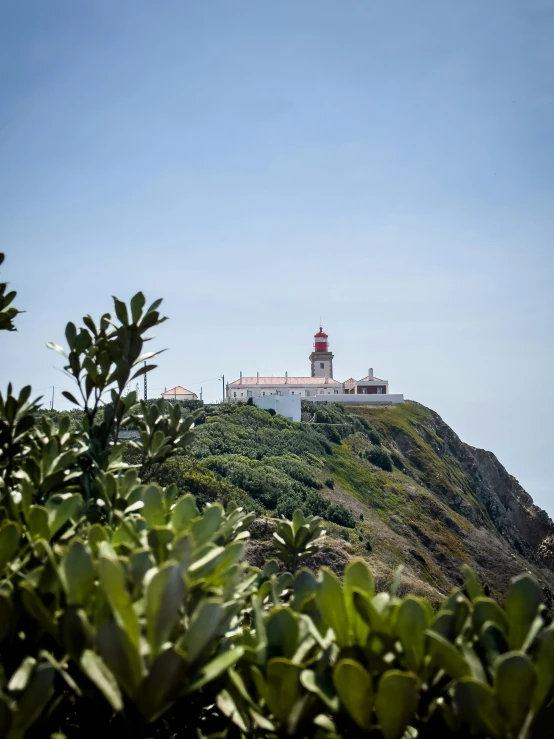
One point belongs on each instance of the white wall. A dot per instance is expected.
(284, 405)
(178, 396)
(388, 399)
(256, 391)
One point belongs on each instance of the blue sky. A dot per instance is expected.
(386, 166)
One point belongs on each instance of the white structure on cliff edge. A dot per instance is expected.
(320, 386)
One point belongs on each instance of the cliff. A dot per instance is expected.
(396, 484)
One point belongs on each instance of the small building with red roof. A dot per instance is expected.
(178, 393)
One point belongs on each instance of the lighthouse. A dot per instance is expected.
(321, 357)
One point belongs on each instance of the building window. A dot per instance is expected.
(292, 392)
(336, 392)
(241, 395)
(321, 392)
(379, 391)
(234, 395)
(278, 392)
(321, 365)
(263, 393)
(364, 390)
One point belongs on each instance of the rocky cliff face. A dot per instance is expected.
(529, 527)
(466, 491)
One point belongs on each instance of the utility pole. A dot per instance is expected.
(145, 385)
(52, 404)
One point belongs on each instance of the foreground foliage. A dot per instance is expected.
(125, 608)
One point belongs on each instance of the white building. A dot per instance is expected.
(320, 386)
(285, 405)
(178, 393)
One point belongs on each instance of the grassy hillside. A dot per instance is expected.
(395, 483)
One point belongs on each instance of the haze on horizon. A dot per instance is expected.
(388, 167)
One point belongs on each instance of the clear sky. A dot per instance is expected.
(388, 166)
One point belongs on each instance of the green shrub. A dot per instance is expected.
(330, 483)
(374, 437)
(288, 504)
(295, 468)
(379, 457)
(337, 513)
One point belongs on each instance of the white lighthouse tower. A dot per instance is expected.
(321, 357)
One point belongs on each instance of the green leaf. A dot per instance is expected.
(203, 627)
(36, 608)
(330, 601)
(37, 521)
(77, 573)
(153, 511)
(215, 668)
(36, 695)
(397, 579)
(396, 702)
(97, 671)
(522, 603)
(544, 662)
(411, 623)
(445, 655)
(184, 512)
(206, 564)
(472, 585)
(320, 684)
(9, 541)
(304, 587)
(515, 683)
(357, 576)
(164, 594)
(283, 686)
(476, 704)
(70, 397)
(493, 641)
(121, 311)
(355, 689)
(6, 613)
(96, 535)
(164, 682)
(22, 675)
(137, 304)
(205, 527)
(112, 579)
(487, 609)
(282, 632)
(120, 656)
(61, 508)
(376, 618)
(76, 631)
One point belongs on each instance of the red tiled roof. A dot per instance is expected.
(178, 390)
(351, 381)
(284, 381)
(372, 379)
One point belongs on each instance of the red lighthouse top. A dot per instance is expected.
(321, 343)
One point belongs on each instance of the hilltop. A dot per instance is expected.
(395, 484)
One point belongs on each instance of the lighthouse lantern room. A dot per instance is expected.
(321, 358)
